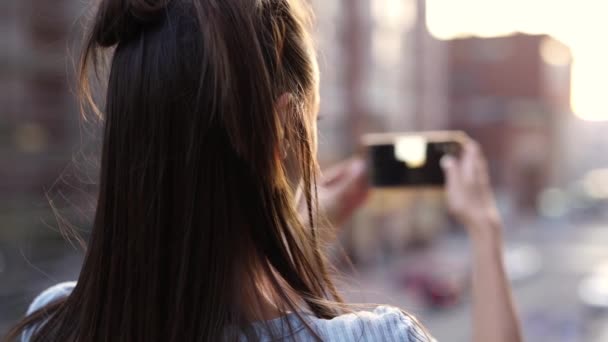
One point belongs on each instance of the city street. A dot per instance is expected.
(189, 136)
(547, 297)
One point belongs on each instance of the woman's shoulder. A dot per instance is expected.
(47, 296)
(384, 323)
(51, 294)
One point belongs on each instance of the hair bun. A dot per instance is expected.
(120, 20)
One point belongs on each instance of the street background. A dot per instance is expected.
(526, 78)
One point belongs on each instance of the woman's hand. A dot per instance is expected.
(469, 196)
(471, 201)
(342, 189)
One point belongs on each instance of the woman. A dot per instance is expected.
(209, 142)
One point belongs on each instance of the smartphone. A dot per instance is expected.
(410, 159)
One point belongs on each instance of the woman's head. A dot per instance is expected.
(209, 120)
(246, 67)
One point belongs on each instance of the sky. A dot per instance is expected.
(581, 24)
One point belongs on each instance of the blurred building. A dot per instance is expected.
(38, 121)
(39, 134)
(512, 94)
(380, 71)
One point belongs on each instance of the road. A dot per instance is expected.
(547, 300)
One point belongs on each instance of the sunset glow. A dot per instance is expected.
(581, 25)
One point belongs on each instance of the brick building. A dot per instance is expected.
(508, 93)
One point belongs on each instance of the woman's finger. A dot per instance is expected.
(469, 161)
(482, 169)
(353, 182)
(450, 168)
(334, 174)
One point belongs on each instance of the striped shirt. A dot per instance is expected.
(384, 323)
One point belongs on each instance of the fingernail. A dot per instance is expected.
(358, 166)
(446, 162)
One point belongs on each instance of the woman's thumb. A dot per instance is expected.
(448, 164)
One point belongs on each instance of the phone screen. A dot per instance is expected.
(410, 160)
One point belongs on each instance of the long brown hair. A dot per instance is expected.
(194, 199)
